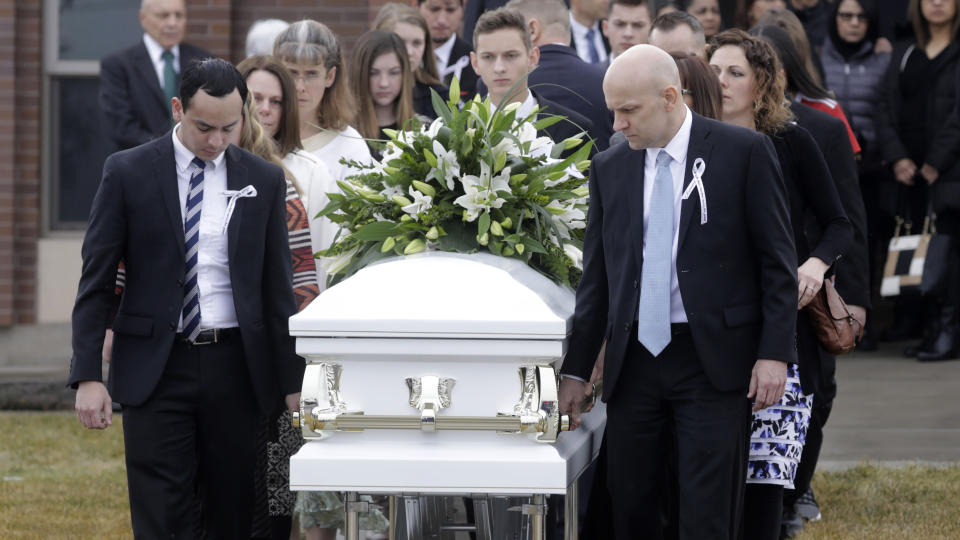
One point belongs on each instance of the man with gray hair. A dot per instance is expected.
(262, 34)
(137, 83)
(561, 75)
(697, 308)
(679, 32)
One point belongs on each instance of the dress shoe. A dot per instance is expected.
(944, 344)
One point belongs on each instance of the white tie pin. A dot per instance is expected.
(698, 167)
(232, 196)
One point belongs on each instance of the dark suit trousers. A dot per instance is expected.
(712, 437)
(191, 447)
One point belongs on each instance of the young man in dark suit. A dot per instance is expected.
(201, 344)
(586, 36)
(561, 76)
(504, 55)
(444, 18)
(137, 83)
(690, 278)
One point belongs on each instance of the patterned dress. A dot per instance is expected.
(778, 434)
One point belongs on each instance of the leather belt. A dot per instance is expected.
(211, 336)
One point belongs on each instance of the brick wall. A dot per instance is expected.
(7, 193)
(219, 26)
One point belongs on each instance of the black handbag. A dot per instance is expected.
(917, 264)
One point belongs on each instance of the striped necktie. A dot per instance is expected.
(191, 234)
(653, 321)
(592, 46)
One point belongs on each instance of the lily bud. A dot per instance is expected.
(431, 159)
(391, 170)
(424, 188)
(405, 218)
(508, 251)
(483, 239)
(416, 246)
(388, 244)
(520, 248)
(581, 191)
(400, 200)
(555, 210)
(371, 196)
(496, 229)
(583, 165)
(433, 233)
(392, 133)
(507, 223)
(572, 142)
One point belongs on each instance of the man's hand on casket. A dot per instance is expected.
(94, 406)
(572, 394)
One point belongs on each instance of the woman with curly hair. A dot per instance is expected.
(753, 97)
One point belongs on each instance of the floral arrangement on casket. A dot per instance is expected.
(476, 178)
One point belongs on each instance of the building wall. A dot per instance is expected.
(30, 294)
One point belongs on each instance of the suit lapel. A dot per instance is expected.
(632, 175)
(148, 74)
(699, 147)
(165, 174)
(236, 180)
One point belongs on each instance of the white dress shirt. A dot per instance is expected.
(155, 51)
(213, 268)
(443, 53)
(580, 40)
(527, 106)
(677, 149)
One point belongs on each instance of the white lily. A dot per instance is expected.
(389, 191)
(448, 167)
(480, 192)
(572, 216)
(574, 254)
(433, 129)
(335, 264)
(421, 203)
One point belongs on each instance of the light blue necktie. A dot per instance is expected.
(592, 47)
(191, 236)
(653, 320)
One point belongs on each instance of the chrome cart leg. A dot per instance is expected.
(537, 510)
(353, 507)
(392, 517)
(571, 510)
(481, 517)
(411, 508)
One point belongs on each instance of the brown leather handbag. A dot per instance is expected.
(836, 328)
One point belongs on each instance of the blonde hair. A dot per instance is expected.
(312, 43)
(388, 17)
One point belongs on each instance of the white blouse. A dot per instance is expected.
(347, 144)
(315, 182)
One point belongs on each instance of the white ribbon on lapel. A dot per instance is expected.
(698, 167)
(232, 196)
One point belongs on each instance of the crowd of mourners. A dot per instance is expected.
(857, 98)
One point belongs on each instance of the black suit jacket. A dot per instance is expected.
(565, 79)
(131, 97)
(830, 134)
(468, 77)
(606, 46)
(136, 217)
(574, 125)
(737, 272)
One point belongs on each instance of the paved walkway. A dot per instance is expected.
(893, 409)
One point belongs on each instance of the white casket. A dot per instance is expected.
(436, 374)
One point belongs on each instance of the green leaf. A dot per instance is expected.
(431, 159)
(531, 244)
(375, 231)
(454, 92)
(459, 238)
(440, 107)
(547, 122)
(483, 224)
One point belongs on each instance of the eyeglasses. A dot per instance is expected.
(849, 17)
(686, 92)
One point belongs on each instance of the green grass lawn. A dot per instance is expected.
(59, 480)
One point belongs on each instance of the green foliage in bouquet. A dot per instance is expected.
(477, 178)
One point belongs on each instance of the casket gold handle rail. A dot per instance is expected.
(322, 410)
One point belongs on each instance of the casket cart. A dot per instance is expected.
(436, 374)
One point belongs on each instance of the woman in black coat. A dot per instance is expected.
(753, 90)
(919, 137)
